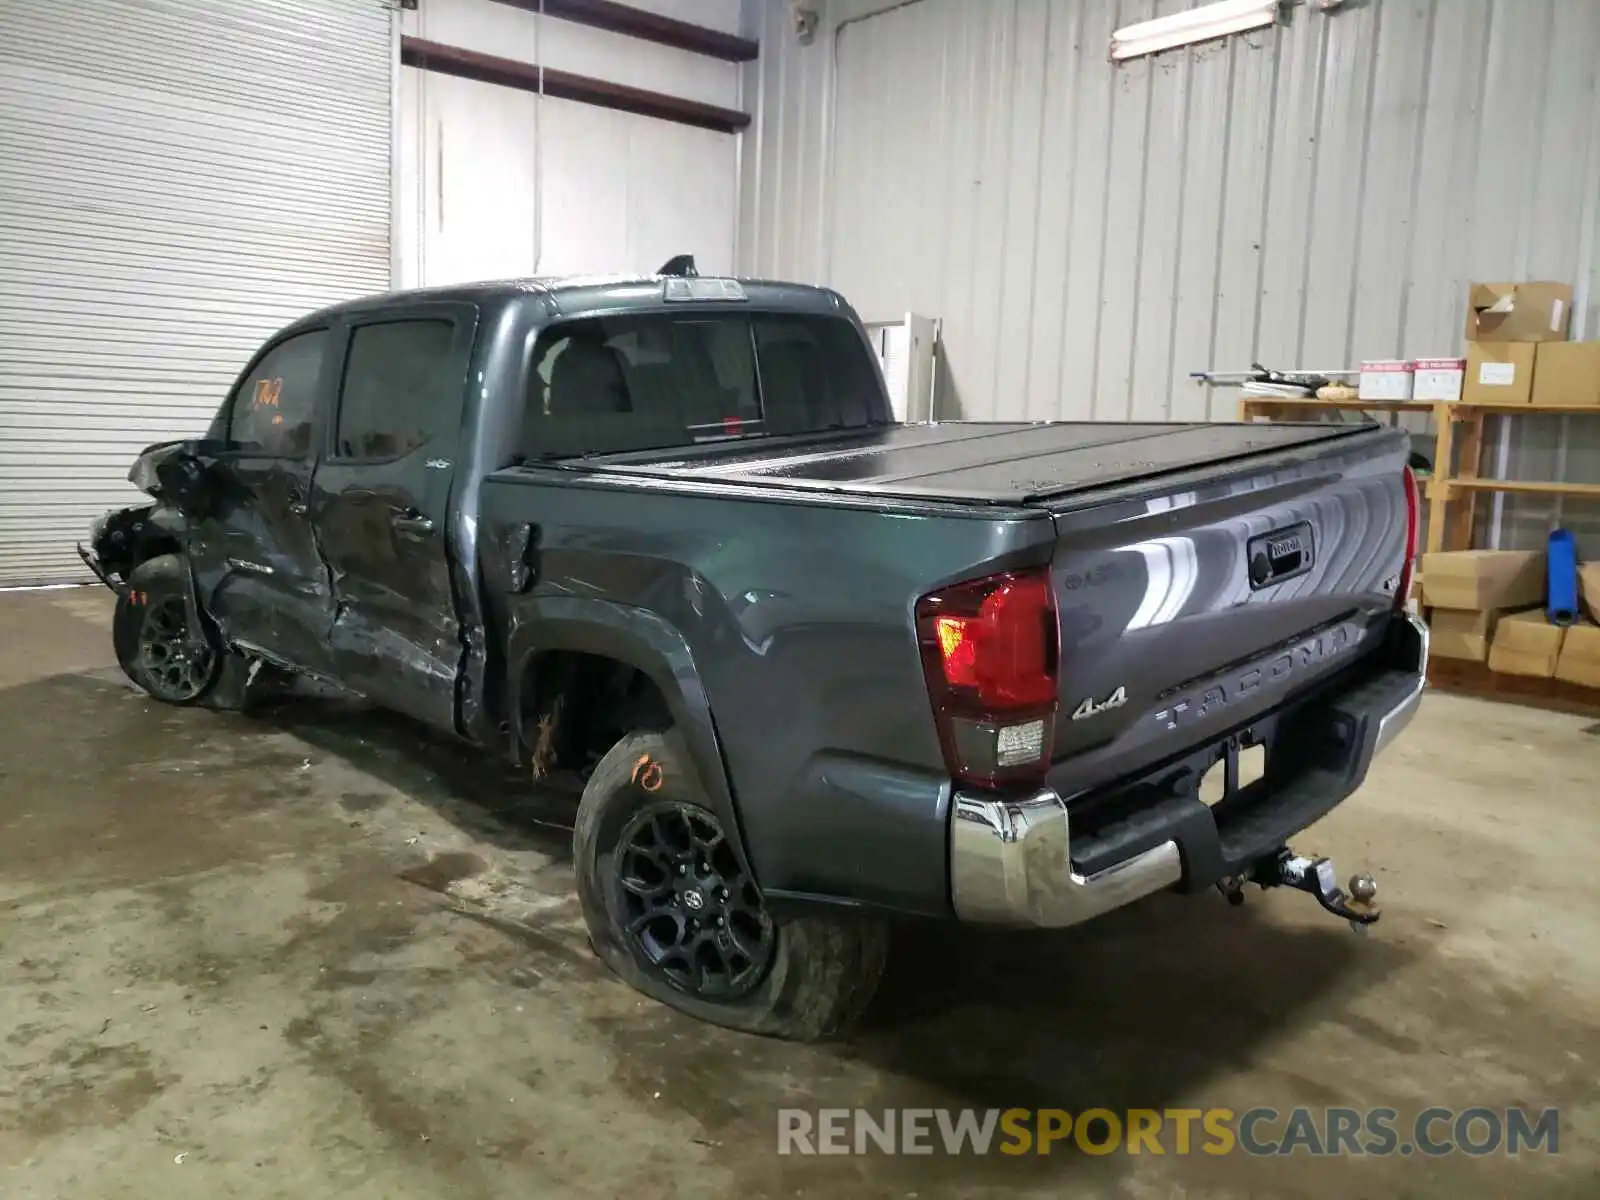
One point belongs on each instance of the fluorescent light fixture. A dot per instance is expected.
(1197, 25)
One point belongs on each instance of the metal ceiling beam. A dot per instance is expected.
(649, 26)
(565, 85)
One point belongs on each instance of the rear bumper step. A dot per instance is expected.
(1028, 860)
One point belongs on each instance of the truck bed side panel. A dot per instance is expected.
(798, 617)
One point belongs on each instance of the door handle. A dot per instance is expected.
(409, 520)
(298, 508)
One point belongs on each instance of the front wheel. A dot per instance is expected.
(672, 910)
(157, 650)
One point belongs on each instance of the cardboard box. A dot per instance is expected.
(1499, 373)
(1589, 588)
(1386, 380)
(1518, 312)
(1580, 656)
(1460, 633)
(1481, 579)
(1440, 378)
(1567, 374)
(1525, 643)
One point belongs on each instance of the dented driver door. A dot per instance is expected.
(254, 553)
(381, 506)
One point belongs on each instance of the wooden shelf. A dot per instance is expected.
(1564, 410)
(1312, 402)
(1460, 407)
(1536, 487)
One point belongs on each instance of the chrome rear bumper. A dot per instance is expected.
(1011, 857)
(1392, 722)
(1011, 864)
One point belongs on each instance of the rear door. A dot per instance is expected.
(381, 506)
(255, 557)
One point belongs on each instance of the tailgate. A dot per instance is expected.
(1188, 610)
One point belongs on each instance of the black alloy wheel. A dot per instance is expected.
(691, 913)
(672, 910)
(176, 665)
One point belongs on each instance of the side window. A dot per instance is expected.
(273, 407)
(394, 377)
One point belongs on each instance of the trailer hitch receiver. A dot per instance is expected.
(1316, 876)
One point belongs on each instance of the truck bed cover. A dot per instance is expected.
(1001, 463)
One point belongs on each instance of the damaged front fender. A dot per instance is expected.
(126, 537)
(174, 473)
(92, 561)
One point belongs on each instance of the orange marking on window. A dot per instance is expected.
(268, 391)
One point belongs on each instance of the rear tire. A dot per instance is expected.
(673, 913)
(149, 631)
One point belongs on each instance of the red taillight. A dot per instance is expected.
(997, 640)
(990, 654)
(1413, 524)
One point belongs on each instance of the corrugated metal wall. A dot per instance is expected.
(495, 182)
(1089, 233)
(178, 179)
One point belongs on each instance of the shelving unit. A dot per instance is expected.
(1523, 485)
(1267, 408)
(1453, 489)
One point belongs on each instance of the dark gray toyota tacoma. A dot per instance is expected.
(819, 669)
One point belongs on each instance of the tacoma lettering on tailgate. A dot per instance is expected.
(1318, 648)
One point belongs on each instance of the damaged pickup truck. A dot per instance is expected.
(820, 669)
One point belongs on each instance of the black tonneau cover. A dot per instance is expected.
(985, 462)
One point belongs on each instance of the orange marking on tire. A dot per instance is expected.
(647, 774)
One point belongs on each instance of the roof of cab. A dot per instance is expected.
(570, 295)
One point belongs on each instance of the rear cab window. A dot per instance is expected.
(647, 381)
(395, 373)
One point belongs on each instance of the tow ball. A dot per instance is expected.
(1316, 876)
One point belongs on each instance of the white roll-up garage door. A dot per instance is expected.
(178, 178)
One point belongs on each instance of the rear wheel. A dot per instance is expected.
(158, 651)
(672, 910)
(690, 911)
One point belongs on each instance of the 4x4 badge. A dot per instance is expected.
(1090, 709)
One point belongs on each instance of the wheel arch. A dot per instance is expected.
(631, 638)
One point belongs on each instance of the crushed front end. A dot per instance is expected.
(125, 537)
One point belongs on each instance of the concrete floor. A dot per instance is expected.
(316, 953)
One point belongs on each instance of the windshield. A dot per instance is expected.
(642, 382)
